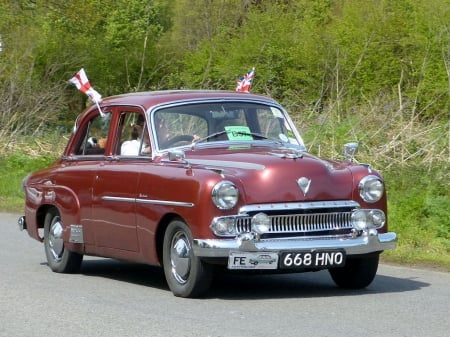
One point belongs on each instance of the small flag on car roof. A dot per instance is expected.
(82, 83)
(244, 83)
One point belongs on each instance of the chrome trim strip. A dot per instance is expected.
(298, 205)
(165, 202)
(353, 246)
(118, 199)
(223, 163)
(149, 201)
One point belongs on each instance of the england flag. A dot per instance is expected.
(82, 83)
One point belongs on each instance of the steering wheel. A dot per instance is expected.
(177, 139)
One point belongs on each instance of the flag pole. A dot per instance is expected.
(100, 109)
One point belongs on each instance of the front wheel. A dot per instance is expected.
(59, 259)
(186, 274)
(357, 273)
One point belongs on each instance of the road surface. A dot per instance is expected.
(112, 298)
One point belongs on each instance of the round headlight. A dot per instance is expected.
(225, 195)
(359, 220)
(261, 223)
(371, 189)
(223, 226)
(377, 217)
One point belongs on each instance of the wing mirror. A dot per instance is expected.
(177, 155)
(350, 150)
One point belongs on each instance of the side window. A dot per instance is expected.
(95, 135)
(134, 140)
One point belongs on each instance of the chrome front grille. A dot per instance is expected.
(301, 223)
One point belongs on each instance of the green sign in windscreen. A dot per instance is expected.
(238, 132)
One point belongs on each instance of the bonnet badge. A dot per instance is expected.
(304, 184)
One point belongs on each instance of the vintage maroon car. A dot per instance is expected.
(197, 180)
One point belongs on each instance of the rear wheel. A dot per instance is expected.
(59, 259)
(357, 273)
(186, 274)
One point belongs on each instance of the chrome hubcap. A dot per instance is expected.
(55, 239)
(180, 257)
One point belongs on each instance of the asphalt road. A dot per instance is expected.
(111, 298)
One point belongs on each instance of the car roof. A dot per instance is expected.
(151, 98)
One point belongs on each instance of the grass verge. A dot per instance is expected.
(419, 212)
(13, 169)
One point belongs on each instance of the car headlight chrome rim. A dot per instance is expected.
(261, 223)
(359, 220)
(224, 226)
(377, 218)
(363, 219)
(225, 195)
(371, 188)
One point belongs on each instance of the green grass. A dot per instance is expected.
(419, 211)
(13, 168)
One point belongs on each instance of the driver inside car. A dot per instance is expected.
(168, 138)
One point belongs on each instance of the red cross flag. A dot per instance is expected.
(81, 81)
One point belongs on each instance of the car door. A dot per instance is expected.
(115, 186)
(78, 173)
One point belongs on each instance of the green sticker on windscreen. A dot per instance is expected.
(238, 132)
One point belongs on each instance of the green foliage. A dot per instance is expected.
(419, 211)
(346, 51)
(282, 44)
(349, 51)
(393, 45)
(114, 41)
(13, 169)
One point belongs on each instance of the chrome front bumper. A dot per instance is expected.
(364, 244)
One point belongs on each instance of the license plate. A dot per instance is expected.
(312, 259)
(260, 260)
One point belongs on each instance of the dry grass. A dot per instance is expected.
(388, 137)
(52, 146)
